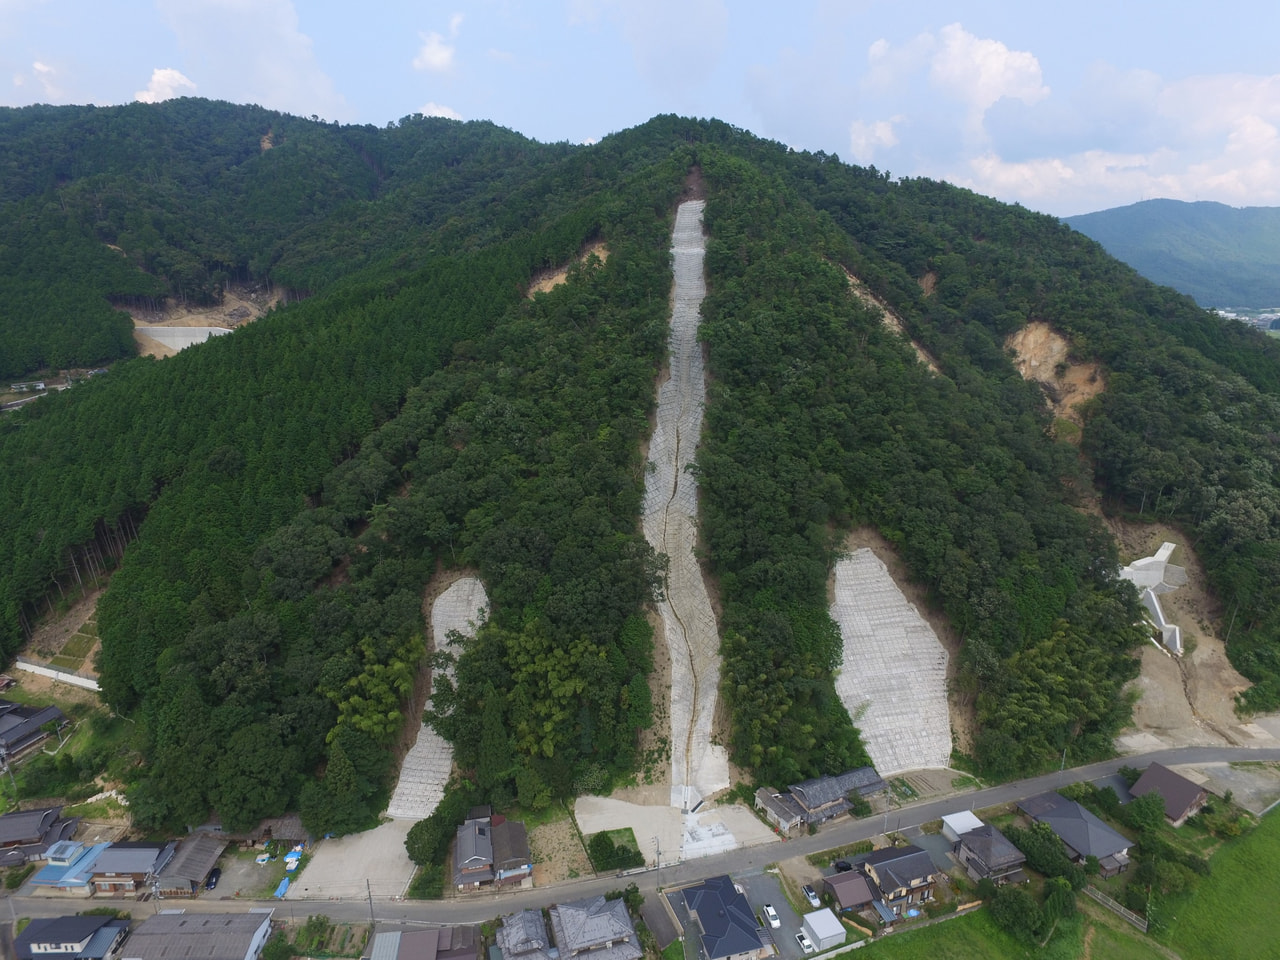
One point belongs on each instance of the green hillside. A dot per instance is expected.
(272, 504)
(1222, 256)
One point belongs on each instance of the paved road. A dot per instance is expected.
(480, 908)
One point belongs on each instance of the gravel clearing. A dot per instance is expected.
(893, 680)
(699, 768)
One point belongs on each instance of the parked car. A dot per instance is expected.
(842, 866)
(810, 896)
(805, 943)
(771, 915)
(211, 881)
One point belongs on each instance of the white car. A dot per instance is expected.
(811, 896)
(805, 943)
(771, 915)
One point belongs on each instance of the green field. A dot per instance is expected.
(1232, 913)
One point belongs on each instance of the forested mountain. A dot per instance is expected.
(1222, 256)
(274, 501)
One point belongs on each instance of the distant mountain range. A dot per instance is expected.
(1222, 256)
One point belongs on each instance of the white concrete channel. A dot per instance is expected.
(699, 768)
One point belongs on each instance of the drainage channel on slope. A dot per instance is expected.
(698, 767)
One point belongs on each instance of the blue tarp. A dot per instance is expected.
(280, 890)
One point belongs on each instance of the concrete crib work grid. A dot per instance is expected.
(893, 680)
(698, 767)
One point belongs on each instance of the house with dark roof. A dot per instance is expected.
(986, 854)
(780, 809)
(1083, 834)
(441, 943)
(726, 928)
(595, 928)
(196, 855)
(523, 936)
(473, 855)
(490, 849)
(23, 727)
(71, 938)
(177, 935)
(826, 797)
(851, 890)
(903, 876)
(28, 834)
(1182, 798)
(512, 858)
(127, 869)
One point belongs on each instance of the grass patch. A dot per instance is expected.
(78, 646)
(674, 951)
(623, 837)
(965, 783)
(66, 663)
(826, 857)
(108, 808)
(972, 936)
(1232, 912)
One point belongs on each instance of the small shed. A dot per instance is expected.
(955, 824)
(824, 929)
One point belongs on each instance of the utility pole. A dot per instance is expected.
(658, 846)
(372, 922)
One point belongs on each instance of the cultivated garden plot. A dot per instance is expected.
(425, 771)
(893, 679)
(698, 767)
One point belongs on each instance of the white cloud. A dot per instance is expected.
(45, 74)
(866, 138)
(433, 109)
(253, 51)
(980, 71)
(165, 84)
(436, 53)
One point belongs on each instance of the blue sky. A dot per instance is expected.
(1065, 108)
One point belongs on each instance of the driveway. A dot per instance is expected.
(762, 888)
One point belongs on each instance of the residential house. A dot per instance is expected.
(177, 935)
(823, 929)
(490, 849)
(903, 875)
(523, 936)
(780, 809)
(595, 928)
(726, 926)
(23, 727)
(183, 875)
(987, 854)
(851, 890)
(1183, 798)
(827, 797)
(127, 869)
(442, 943)
(954, 824)
(69, 869)
(1083, 834)
(71, 938)
(27, 834)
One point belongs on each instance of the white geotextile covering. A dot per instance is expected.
(698, 767)
(179, 338)
(425, 771)
(893, 680)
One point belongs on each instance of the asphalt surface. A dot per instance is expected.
(482, 907)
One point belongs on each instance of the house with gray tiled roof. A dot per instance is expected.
(825, 797)
(726, 928)
(1082, 833)
(70, 938)
(27, 834)
(596, 928)
(903, 875)
(523, 936)
(987, 854)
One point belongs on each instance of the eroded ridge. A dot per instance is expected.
(699, 768)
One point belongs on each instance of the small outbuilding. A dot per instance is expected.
(1182, 797)
(824, 929)
(851, 890)
(956, 824)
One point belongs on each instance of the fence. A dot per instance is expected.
(1116, 908)
(53, 673)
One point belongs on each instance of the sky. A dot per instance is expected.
(1065, 108)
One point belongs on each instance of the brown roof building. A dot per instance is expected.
(1182, 797)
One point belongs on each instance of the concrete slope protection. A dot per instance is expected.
(459, 611)
(893, 679)
(699, 768)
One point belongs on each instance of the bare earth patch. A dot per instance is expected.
(1188, 701)
(557, 853)
(240, 305)
(1045, 357)
(547, 281)
(53, 633)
